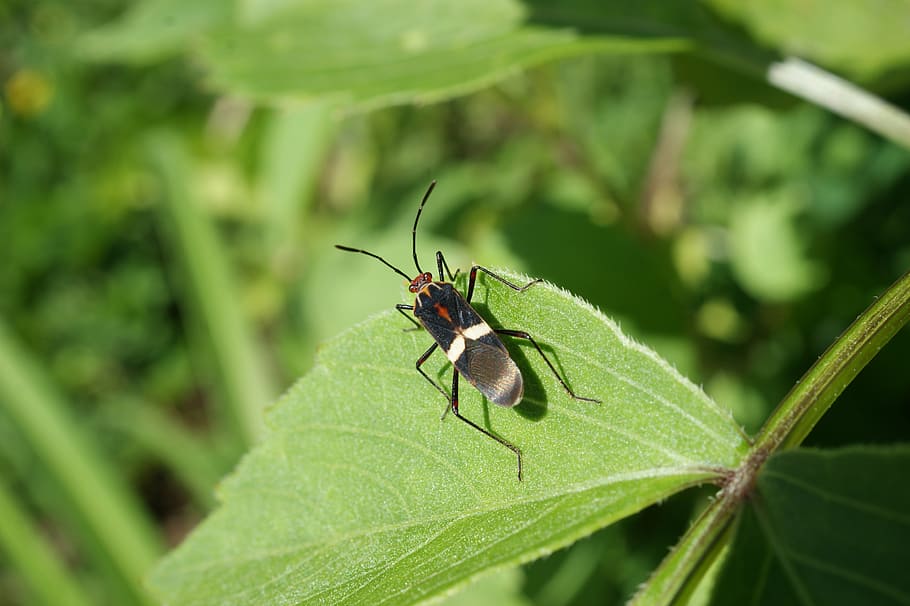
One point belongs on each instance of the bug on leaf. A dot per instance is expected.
(469, 342)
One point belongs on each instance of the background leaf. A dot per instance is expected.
(388, 52)
(854, 35)
(765, 249)
(380, 53)
(362, 494)
(153, 29)
(825, 527)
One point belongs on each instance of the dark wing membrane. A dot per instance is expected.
(492, 372)
(466, 314)
(430, 316)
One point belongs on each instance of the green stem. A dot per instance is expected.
(209, 292)
(28, 554)
(112, 522)
(787, 426)
(690, 558)
(811, 397)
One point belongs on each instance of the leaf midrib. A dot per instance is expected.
(698, 476)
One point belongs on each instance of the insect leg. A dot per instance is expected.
(498, 277)
(454, 401)
(440, 263)
(520, 334)
(403, 307)
(420, 362)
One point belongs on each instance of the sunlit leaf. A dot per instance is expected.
(362, 495)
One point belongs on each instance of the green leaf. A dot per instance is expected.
(362, 495)
(153, 30)
(388, 51)
(766, 248)
(864, 38)
(824, 528)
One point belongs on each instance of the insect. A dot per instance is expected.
(471, 345)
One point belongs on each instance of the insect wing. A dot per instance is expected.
(492, 372)
(470, 344)
(436, 310)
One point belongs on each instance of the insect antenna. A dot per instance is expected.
(369, 254)
(416, 219)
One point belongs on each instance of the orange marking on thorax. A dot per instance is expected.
(443, 312)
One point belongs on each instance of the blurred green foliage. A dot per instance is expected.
(734, 230)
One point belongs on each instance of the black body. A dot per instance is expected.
(469, 343)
